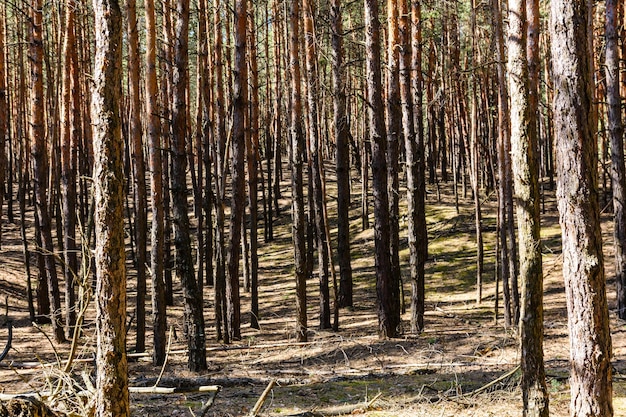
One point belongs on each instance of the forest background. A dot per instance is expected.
(266, 141)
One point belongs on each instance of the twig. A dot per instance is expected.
(491, 384)
(373, 400)
(259, 404)
(167, 354)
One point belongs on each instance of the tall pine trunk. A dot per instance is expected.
(70, 128)
(193, 302)
(616, 135)
(342, 138)
(297, 187)
(238, 149)
(159, 318)
(40, 166)
(112, 398)
(252, 157)
(139, 173)
(387, 284)
(525, 160)
(316, 165)
(577, 196)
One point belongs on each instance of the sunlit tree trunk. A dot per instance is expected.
(297, 189)
(410, 65)
(112, 399)
(394, 126)
(577, 196)
(159, 324)
(69, 143)
(252, 151)
(525, 160)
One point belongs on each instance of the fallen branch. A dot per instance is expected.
(259, 404)
(174, 390)
(132, 390)
(348, 409)
(492, 383)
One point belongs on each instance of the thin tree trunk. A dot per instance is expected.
(394, 126)
(139, 169)
(524, 141)
(316, 165)
(387, 285)
(252, 151)
(112, 398)
(193, 303)
(297, 156)
(504, 162)
(616, 134)
(4, 123)
(238, 148)
(412, 118)
(473, 154)
(40, 166)
(221, 324)
(159, 317)
(342, 136)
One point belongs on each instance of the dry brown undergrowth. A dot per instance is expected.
(461, 350)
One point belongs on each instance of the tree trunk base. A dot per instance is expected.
(26, 407)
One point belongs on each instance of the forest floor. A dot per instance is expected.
(463, 364)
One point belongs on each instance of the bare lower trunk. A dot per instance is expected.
(297, 190)
(577, 185)
(387, 285)
(112, 398)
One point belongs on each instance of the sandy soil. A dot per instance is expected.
(433, 374)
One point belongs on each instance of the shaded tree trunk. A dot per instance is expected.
(616, 134)
(139, 173)
(504, 164)
(238, 149)
(342, 137)
(40, 166)
(316, 165)
(4, 125)
(220, 173)
(193, 302)
(387, 285)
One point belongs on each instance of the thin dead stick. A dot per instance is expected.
(373, 400)
(491, 384)
(259, 404)
(167, 354)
